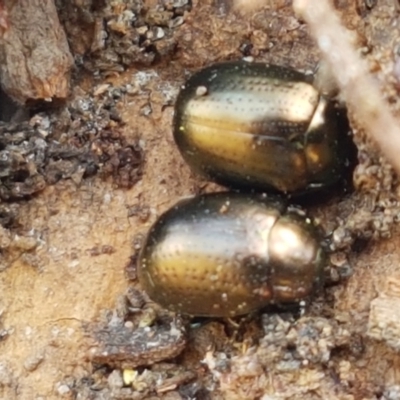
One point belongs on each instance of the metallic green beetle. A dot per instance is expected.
(260, 126)
(227, 254)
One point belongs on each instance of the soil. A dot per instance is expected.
(81, 182)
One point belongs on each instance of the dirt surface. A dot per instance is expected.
(80, 186)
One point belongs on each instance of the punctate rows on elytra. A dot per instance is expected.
(228, 254)
(263, 127)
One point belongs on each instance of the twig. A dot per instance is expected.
(358, 89)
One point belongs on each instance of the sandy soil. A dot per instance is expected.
(65, 267)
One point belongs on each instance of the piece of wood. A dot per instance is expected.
(35, 60)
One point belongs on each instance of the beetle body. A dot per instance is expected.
(228, 254)
(260, 126)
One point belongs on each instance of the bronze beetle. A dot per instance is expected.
(227, 254)
(261, 126)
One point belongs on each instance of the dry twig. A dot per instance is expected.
(358, 89)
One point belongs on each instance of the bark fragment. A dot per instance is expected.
(34, 56)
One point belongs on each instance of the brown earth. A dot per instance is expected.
(67, 245)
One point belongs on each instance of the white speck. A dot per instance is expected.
(201, 90)
(63, 389)
(248, 59)
(324, 42)
(28, 331)
(73, 264)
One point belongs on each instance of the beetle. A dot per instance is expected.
(227, 254)
(261, 126)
